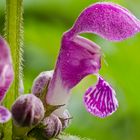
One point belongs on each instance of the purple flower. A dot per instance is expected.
(80, 57)
(6, 77)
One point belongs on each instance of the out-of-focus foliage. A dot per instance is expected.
(44, 23)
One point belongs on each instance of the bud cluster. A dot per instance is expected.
(50, 127)
(31, 111)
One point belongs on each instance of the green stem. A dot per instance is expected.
(14, 36)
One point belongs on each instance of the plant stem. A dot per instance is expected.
(14, 36)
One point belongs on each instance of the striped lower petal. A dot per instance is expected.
(100, 100)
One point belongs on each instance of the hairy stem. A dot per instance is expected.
(14, 36)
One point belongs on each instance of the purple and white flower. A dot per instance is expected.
(79, 57)
(6, 77)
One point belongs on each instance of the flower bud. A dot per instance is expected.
(27, 110)
(66, 119)
(53, 126)
(41, 82)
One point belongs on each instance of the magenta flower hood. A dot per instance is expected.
(79, 57)
(6, 77)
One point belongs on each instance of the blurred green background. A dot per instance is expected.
(44, 23)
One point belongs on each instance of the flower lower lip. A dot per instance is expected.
(100, 100)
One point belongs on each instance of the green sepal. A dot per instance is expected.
(51, 108)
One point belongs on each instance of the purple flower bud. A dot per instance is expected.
(27, 110)
(108, 20)
(5, 115)
(41, 82)
(6, 69)
(53, 127)
(100, 100)
(66, 119)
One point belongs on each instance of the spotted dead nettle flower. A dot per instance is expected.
(6, 77)
(80, 57)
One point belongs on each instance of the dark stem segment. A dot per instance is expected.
(14, 36)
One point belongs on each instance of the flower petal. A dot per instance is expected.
(6, 69)
(100, 100)
(77, 59)
(5, 115)
(108, 20)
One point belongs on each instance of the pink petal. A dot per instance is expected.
(77, 59)
(5, 115)
(6, 69)
(100, 100)
(108, 20)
